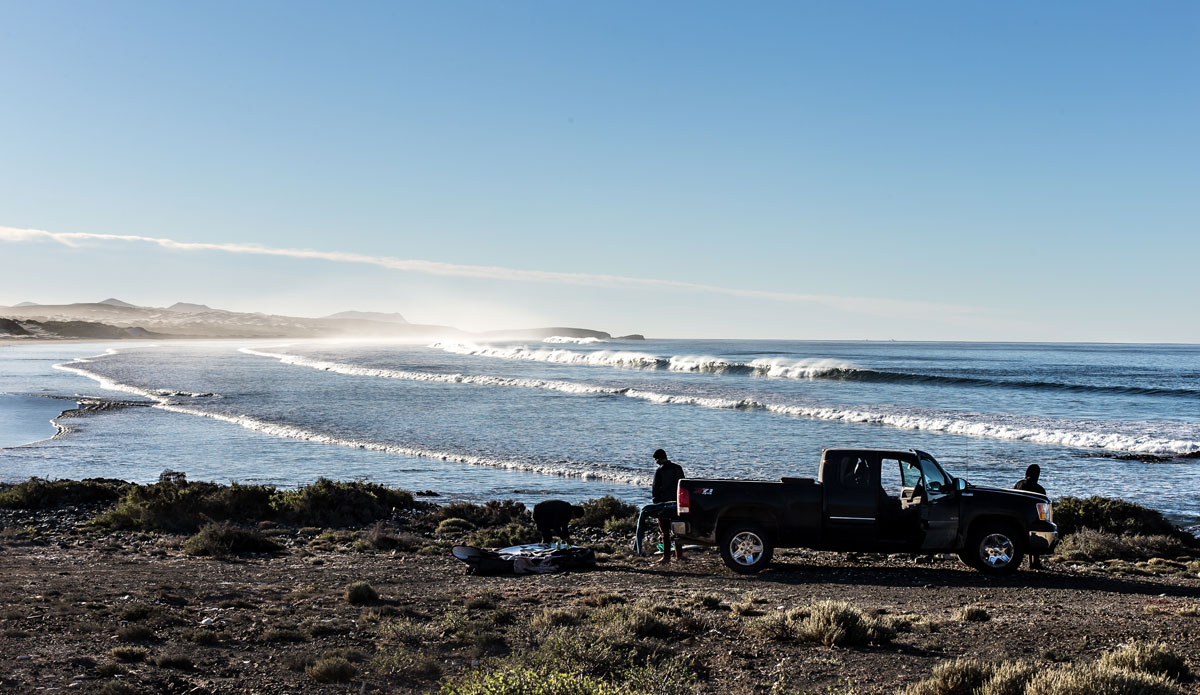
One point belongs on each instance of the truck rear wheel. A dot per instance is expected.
(994, 548)
(745, 547)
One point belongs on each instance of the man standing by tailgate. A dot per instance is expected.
(666, 480)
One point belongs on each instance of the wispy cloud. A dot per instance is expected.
(862, 305)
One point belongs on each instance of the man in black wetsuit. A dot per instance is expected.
(552, 517)
(666, 482)
(1030, 484)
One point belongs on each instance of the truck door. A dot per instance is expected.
(940, 509)
(850, 481)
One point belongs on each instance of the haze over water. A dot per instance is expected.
(574, 419)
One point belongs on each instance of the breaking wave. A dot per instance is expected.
(1037, 430)
(783, 368)
(564, 469)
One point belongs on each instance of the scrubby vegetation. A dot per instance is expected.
(830, 623)
(177, 505)
(1073, 514)
(38, 493)
(1138, 669)
(224, 539)
(1087, 544)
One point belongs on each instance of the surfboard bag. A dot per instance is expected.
(535, 558)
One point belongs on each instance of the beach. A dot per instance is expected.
(83, 608)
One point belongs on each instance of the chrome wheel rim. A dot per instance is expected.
(996, 550)
(746, 548)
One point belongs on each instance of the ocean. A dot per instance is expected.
(579, 418)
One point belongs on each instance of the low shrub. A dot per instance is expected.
(181, 662)
(958, 677)
(1091, 679)
(39, 493)
(837, 624)
(556, 617)
(1108, 515)
(331, 670)
(278, 634)
(128, 654)
(135, 633)
(514, 533)
(176, 505)
(223, 539)
(1154, 659)
(359, 593)
(1090, 545)
(528, 681)
(327, 503)
(491, 513)
(454, 526)
(117, 688)
(972, 614)
(598, 512)
(406, 662)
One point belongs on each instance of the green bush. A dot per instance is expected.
(173, 504)
(454, 526)
(224, 539)
(514, 533)
(1108, 515)
(327, 503)
(38, 493)
(597, 512)
(491, 513)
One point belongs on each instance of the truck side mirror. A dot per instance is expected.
(960, 484)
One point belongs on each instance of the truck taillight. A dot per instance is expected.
(683, 500)
(1044, 512)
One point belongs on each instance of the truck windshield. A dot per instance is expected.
(936, 480)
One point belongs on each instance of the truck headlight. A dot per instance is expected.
(1044, 511)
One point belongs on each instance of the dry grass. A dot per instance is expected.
(972, 614)
(1154, 659)
(332, 670)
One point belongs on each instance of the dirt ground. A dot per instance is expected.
(251, 625)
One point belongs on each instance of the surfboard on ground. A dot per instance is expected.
(534, 558)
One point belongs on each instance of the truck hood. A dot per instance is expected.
(1007, 491)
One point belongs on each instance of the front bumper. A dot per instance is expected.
(1043, 536)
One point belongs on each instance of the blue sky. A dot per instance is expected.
(976, 171)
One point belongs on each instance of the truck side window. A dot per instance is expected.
(854, 472)
(892, 476)
(911, 474)
(935, 479)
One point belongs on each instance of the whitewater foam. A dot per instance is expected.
(565, 469)
(1045, 431)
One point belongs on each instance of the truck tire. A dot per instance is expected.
(745, 547)
(994, 548)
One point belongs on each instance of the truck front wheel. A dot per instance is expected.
(994, 548)
(745, 547)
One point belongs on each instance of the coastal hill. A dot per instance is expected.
(115, 319)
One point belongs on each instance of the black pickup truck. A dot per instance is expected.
(870, 500)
